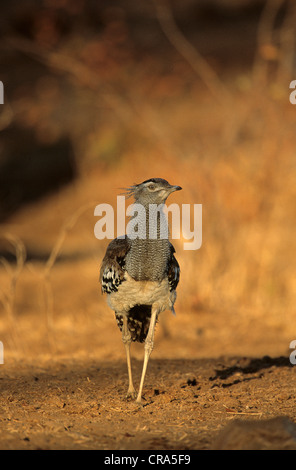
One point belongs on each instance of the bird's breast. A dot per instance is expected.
(132, 292)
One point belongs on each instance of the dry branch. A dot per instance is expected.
(124, 108)
(265, 41)
(192, 56)
(8, 298)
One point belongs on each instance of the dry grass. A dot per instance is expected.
(245, 265)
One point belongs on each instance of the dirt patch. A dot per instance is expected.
(64, 377)
(81, 404)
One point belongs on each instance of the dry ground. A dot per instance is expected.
(64, 380)
(79, 405)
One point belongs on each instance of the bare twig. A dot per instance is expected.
(20, 255)
(8, 298)
(265, 44)
(48, 295)
(287, 43)
(76, 69)
(190, 53)
(67, 226)
(44, 276)
(123, 106)
(235, 412)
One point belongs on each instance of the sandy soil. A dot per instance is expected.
(80, 405)
(63, 382)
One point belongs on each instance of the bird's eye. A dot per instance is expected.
(151, 187)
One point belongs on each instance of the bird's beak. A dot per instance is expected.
(175, 188)
(169, 190)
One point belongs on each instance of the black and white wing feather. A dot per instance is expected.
(113, 265)
(173, 270)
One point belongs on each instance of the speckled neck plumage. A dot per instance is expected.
(147, 258)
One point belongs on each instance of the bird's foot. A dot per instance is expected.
(139, 400)
(131, 394)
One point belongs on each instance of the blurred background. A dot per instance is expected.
(103, 94)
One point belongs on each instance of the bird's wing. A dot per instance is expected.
(173, 270)
(113, 264)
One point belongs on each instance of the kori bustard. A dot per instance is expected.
(140, 273)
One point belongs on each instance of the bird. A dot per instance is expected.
(140, 273)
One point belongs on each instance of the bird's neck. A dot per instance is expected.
(148, 255)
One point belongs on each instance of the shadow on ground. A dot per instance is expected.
(82, 405)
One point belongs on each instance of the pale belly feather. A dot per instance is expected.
(131, 293)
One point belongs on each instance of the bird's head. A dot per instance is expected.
(152, 191)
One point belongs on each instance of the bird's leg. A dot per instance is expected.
(126, 338)
(148, 350)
